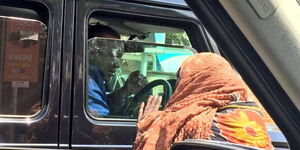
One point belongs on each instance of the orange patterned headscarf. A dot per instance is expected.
(207, 82)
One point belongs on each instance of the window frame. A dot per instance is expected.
(192, 26)
(81, 122)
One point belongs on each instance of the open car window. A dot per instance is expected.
(155, 61)
(130, 47)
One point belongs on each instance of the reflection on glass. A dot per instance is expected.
(153, 61)
(22, 52)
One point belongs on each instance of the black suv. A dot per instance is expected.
(44, 68)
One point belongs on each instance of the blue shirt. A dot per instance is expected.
(97, 99)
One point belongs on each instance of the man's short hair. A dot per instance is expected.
(99, 30)
(99, 46)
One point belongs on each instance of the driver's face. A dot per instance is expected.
(109, 62)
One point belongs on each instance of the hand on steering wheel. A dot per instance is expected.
(152, 105)
(133, 106)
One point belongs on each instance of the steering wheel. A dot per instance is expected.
(133, 105)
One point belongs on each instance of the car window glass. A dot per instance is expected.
(149, 59)
(22, 53)
(150, 54)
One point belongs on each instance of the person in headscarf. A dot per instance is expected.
(210, 103)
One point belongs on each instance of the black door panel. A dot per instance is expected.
(38, 129)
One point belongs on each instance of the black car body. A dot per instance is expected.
(62, 121)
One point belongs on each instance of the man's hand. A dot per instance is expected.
(119, 98)
(135, 82)
(153, 104)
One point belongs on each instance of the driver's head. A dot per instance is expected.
(105, 54)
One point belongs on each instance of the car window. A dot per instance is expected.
(22, 53)
(151, 60)
(154, 63)
(148, 49)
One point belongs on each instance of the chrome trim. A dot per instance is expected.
(100, 146)
(63, 145)
(114, 119)
(29, 144)
(113, 123)
(116, 122)
(27, 120)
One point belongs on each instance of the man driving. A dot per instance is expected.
(104, 59)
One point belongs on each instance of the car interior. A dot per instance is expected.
(150, 49)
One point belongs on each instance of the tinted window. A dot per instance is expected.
(22, 53)
(146, 48)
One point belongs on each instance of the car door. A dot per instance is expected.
(31, 33)
(118, 132)
(258, 38)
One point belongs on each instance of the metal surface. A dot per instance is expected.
(180, 4)
(67, 65)
(28, 145)
(51, 80)
(102, 146)
(208, 144)
(175, 2)
(154, 15)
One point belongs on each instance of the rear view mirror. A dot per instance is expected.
(100, 44)
(131, 47)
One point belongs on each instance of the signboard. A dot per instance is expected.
(22, 48)
(20, 84)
